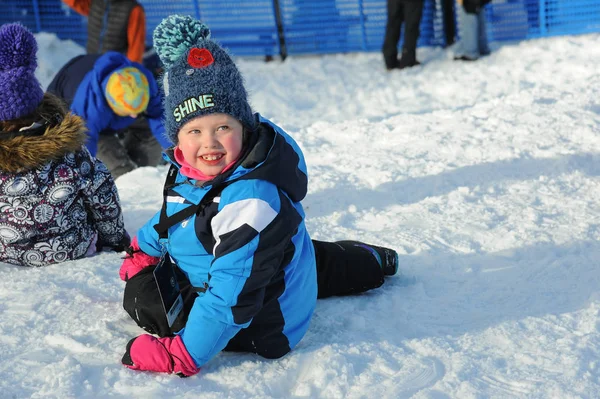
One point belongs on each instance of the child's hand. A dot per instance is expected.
(119, 247)
(135, 261)
(163, 355)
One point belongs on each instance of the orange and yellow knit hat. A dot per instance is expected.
(127, 91)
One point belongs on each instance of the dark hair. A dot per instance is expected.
(48, 110)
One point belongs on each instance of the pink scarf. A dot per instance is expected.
(189, 171)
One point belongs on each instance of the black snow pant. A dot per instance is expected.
(448, 20)
(342, 269)
(125, 150)
(407, 12)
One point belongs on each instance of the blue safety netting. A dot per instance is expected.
(329, 26)
(245, 27)
(271, 27)
(526, 19)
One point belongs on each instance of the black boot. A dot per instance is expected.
(463, 58)
(391, 64)
(408, 59)
(386, 257)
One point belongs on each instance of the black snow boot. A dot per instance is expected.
(386, 257)
(408, 59)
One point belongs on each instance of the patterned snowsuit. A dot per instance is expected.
(56, 200)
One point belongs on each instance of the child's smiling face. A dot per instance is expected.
(211, 142)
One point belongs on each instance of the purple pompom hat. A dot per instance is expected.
(20, 91)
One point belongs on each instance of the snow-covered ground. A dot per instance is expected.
(484, 176)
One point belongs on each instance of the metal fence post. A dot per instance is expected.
(197, 9)
(363, 28)
(280, 32)
(36, 13)
(542, 17)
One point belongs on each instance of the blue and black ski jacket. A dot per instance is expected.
(249, 247)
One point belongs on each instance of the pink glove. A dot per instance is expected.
(135, 261)
(164, 355)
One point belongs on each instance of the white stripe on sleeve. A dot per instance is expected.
(254, 212)
(176, 199)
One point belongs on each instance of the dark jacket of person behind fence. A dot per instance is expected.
(113, 25)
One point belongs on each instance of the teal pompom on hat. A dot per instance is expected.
(200, 77)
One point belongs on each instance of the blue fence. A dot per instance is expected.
(272, 27)
(525, 19)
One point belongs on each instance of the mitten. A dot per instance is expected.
(118, 247)
(135, 261)
(124, 243)
(163, 355)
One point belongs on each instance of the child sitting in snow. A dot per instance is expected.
(231, 222)
(57, 203)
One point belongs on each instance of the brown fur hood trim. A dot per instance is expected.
(25, 153)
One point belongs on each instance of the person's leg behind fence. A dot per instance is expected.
(467, 48)
(395, 17)
(484, 48)
(413, 11)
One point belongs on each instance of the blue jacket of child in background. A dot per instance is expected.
(82, 81)
(258, 217)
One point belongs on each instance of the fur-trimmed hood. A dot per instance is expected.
(22, 153)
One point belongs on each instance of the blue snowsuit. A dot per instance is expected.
(249, 245)
(81, 83)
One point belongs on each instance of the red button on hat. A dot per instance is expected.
(200, 58)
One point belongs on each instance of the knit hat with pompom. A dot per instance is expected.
(200, 77)
(20, 91)
(127, 92)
